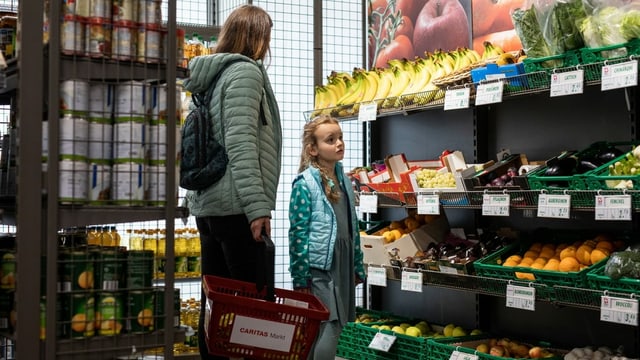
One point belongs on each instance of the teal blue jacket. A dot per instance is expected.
(313, 227)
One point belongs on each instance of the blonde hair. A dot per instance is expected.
(308, 141)
(246, 31)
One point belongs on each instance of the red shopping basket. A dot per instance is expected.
(239, 323)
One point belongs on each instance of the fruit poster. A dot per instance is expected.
(404, 29)
(400, 29)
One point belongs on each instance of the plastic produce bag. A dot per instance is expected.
(623, 264)
(527, 26)
(561, 25)
(604, 28)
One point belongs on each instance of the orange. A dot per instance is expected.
(569, 251)
(540, 260)
(549, 246)
(510, 263)
(592, 243)
(552, 265)
(411, 224)
(560, 247)
(516, 258)
(526, 262)
(583, 254)
(569, 264)
(536, 247)
(605, 244)
(530, 254)
(547, 253)
(525, 276)
(537, 265)
(397, 234)
(599, 254)
(396, 225)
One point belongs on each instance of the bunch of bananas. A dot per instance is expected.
(403, 82)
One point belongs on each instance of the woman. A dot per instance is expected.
(324, 240)
(232, 214)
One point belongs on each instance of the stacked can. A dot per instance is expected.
(129, 138)
(74, 141)
(124, 38)
(155, 191)
(150, 32)
(76, 298)
(101, 103)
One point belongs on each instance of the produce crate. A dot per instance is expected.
(599, 281)
(600, 179)
(442, 348)
(481, 180)
(378, 317)
(546, 65)
(594, 58)
(355, 339)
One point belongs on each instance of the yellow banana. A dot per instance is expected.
(319, 100)
(401, 79)
(370, 89)
(421, 77)
(339, 82)
(385, 79)
(354, 90)
(473, 56)
(428, 94)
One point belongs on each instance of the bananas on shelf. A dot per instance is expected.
(404, 81)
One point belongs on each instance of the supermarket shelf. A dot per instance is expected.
(121, 345)
(8, 82)
(82, 67)
(70, 215)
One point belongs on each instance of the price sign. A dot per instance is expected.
(496, 204)
(377, 276)
(382, 342)
(567, 83)
(411, 281)
(490, 93)
(448, 269)
(619, 310)
(554, 206)
(457, 355)
(368, 112)
(457, 99)
(619, 75)
(428, 204)
(369, 203)
(521, 297)
(613, 207)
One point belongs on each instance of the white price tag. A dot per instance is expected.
(521, 297)
(377, 276)
(613, 207)
(368, 112)
(428, 204)
(448, 269)
(567, 83)
(619, 310)
(619, 75)
(554, 206)
(496, 204)
(411, 281)
(369, 203)
(457, 98)
(457, 355)
(382, 342)
(490, 93)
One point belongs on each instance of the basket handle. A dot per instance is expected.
(265, 267)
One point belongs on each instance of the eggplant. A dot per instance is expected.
(585, 166)
(608, 154)
(562, 167)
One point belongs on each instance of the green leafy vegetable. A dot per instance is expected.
(565, 33)
(631, 24)
(525, 22)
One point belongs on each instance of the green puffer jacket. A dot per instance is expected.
(250, 183)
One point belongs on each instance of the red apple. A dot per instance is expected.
(441, 24)
(496, 350)
(535, 352)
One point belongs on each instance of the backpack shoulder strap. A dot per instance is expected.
(207, 96)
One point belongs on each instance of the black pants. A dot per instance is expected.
(227, 250)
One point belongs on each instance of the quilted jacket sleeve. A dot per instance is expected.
(299, 221)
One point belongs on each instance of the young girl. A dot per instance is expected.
(324, 241)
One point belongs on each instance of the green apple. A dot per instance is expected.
(459, 331)
(385, 327)
(397, 329)
(413, 331)
(405, 325)
(448, 330)
(476, 332)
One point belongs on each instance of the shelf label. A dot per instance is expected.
(613, 207)
(554, 206)
(428, 204)
(619, 75)
(368, 112)
(382, 342)
(496, 204)
(567, 83)
(369, 203)
(411, 281)
(448, 269)
(521, 297)
(490, 93)
(377, 276)
(619, 310)
(457, 355)
(457, 98)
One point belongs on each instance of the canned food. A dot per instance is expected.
(128, 184)
(74, 181)
(156, 194)
(74, 97)
(149, 11)
(100, 8)
(82, 314)
(180, 35)
(129, 140)
(76, 270)
(125, 10)
(160, 102)
(110, 268)
(123, 40)
(98, 37)
(158, 312)
(72, 35)
(74, 137)
(100, 140)
(8, 270)
(109, 313)
(157, 142)
(140, 306)
(139, 269)
(76, 7)
(101, 101)
(100, 183)
(131, 99)
(149, 43)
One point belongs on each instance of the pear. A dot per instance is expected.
(459, 331)
(448, 330)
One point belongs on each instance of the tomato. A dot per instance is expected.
(405, 28)
(398, 48)
(410, 8)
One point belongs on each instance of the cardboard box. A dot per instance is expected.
(493, 71)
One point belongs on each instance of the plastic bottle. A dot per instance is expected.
(115, 236)
(105, 237)
(184, 106)
(180, 248)
(211, 46)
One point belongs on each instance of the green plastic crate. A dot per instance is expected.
(379, 317)
(600, 179)
(599, 281)
(442, 348)
(355, 339)
(544, 66)
(594, 58)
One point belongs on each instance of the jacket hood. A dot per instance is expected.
(204, 68)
